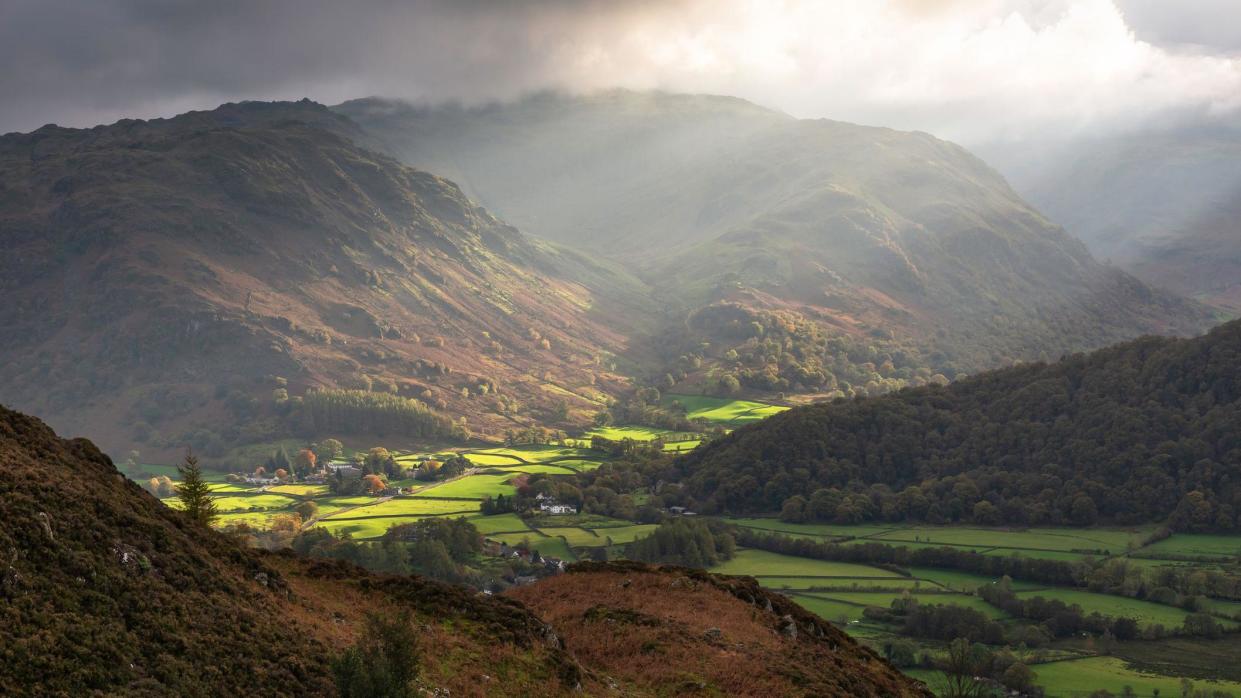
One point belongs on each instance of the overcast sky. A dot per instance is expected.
(972, 70)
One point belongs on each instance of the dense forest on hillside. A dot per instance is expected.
(1144, 431)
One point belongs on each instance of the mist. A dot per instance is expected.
(990, 71)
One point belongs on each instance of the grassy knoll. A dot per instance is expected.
(473, 487)
(724, 410)
(1145, 612)
(366, 527)
(760, 562)
(631, 431)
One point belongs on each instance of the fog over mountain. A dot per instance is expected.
(973, 72)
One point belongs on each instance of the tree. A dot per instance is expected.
(383, 663)
(959, 668)
(194, 493)
(304, 462)
(328, 450)
(373, 484)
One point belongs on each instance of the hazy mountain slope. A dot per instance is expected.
(863, 230)
(106, 591)
(1134, 433)
(1164, 204)
(151, 270)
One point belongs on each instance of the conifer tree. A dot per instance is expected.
(194, 492)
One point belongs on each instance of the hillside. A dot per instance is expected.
(1163, 204)
(1140, 432)
(108, 591)
(167, 274)
(882, 238)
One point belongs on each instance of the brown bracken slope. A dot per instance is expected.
(676, 631)
(104, 590)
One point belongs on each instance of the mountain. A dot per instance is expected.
(106, 591)
(894, 240)
(1140, 432)
(212, 268)
(1163, 204)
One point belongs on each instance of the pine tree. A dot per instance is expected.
(194, 492)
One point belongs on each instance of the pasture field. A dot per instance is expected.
(1145, 612)
(819, 530)
(724, 410)
(300, 490)
(959, 581)
(254, 519)
(575, 537)
(1035, 539)
(491, 459)
(365, 528)
(255, 502)
(896, 584)
(681, 446)
(1195, 545)
(1078, 678)
(885, 599)
(762, 563)
(580, 465)
(620, 535)
(472, 487)
(227, 487)
(533, 468)
(834, 611)
(498, 523)
(631, 431)
(1038, 554)
(539, 453)
(407, 506)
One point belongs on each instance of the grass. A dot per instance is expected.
(412, 506)
(491, 459)
(546, 545)
(365, 528)
(620, 535)
(576, 537)
(581, 465)
(838, 584)
(498, 523)
(1196, 545)
(257, 502)
(834, 611)
(545, 468)
(682, 446)
(1145, 612)
(723, 410)
(1081, 677)
(630, 431)
(473, 487)
(960, 581)
(815, 530)
(760, 562)
(1045, 539)
(539, 453)
(300, 490)
(884, 600)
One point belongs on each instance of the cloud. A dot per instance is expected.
(972, 70)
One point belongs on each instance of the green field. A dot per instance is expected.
(723, 410)
(631, 431)
(406, 506)
(576, 537)
(681, 446)
(619, 535)
(300, 490)
(256, 502)
(833, 611)
(1080, 677)
(761, 562)
(498, 523)
(884, 600)
(539, 453)
(959, 581)
(896, 584)
(821, 530)
(1196, 545)
(545, 468)
(473, 487)
(491, 459)
(581, 465)
(1045, 539)
(1145, 612)
(365, 528)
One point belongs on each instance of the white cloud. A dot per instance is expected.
(971, 70)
